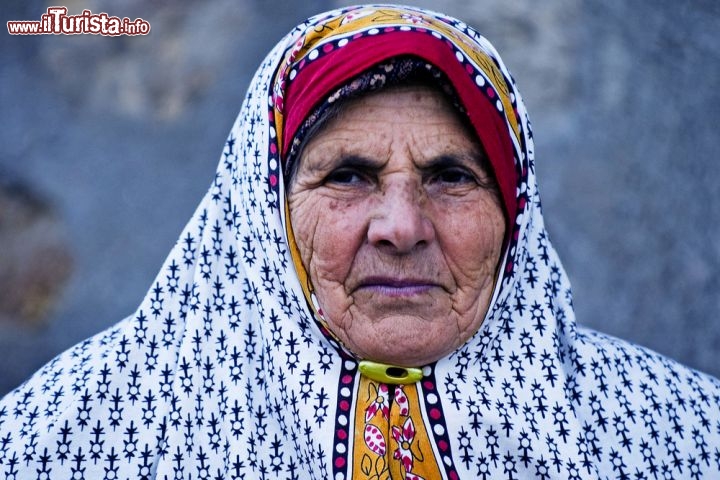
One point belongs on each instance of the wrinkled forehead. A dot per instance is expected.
(404, 118)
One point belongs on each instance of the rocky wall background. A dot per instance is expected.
(107, 144)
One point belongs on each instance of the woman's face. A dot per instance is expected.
(395, 228)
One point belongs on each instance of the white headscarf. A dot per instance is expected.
(224, 371)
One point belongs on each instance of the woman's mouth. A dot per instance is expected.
(394, 287)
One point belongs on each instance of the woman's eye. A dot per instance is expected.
(345, 177)
(454, 176)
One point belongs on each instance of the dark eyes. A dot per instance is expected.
(453, 176)
(346, 176)
(441, 175)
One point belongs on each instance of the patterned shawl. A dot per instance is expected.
(225, 370)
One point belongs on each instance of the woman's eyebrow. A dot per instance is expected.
(326, 163)
(453, 160)
(357, 161)
(369, 163)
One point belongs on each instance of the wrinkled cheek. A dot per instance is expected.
(328, 239)
(332, 265)
(331, 256)
(325, 263)
(304, 240)
(473, 251)
(303, 222)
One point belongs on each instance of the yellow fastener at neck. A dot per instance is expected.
(391, 374)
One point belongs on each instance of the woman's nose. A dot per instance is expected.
(399, 222)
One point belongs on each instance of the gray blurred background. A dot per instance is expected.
(108, 144)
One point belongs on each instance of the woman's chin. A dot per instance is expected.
(402, 340)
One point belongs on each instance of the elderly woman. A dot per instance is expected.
(367, 291)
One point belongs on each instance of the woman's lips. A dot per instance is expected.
(394, 287)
